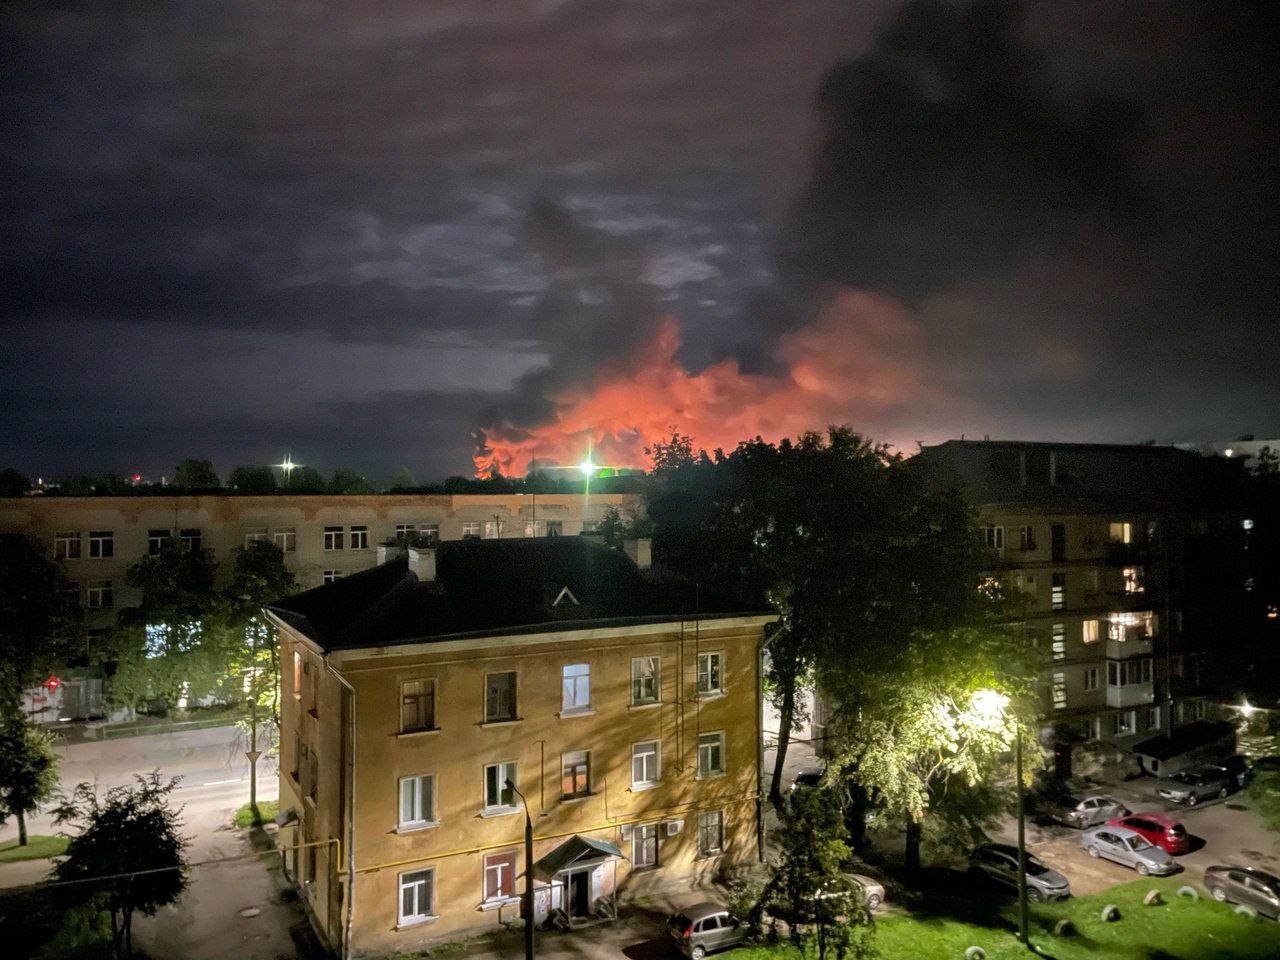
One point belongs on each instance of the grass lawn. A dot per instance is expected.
(39, 847)
(267, 809)
(1178, 929)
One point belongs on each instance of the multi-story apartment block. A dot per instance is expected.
(428, 703)
(1124, 560)
(324, 536)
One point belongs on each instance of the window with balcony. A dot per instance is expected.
(646, 769)
(417, 801)
(333, 538)
(575, 774)
(1134, 580)
(1131, 626)
(66, 546)
(102, 544)
(644, 680)
(1127, 673)
(710, 673)
(1059, 691)
(575, 688)
(417, 706)
(500, 697)
(155, 541)
(711, 754)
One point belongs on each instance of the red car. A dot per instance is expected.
(1165, 832)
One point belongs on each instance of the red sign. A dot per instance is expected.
(53, 683)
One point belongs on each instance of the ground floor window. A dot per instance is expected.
(417, 895)
(710, 832)
(644, 846)
(500, 876)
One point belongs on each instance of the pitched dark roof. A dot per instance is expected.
(496, 587)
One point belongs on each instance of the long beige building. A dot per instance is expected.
(433, 700)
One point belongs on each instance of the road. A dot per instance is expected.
(207, 921)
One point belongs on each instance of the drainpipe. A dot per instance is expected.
(351, 809)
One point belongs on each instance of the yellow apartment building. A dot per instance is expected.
(431, 700)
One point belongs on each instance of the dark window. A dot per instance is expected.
(1058, 542)
(500, 697)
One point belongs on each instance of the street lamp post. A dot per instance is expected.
(528, 874)
(253, 753)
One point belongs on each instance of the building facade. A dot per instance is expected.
(430, 702)
(1123, 561)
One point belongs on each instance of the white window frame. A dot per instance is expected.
(360, 536)
(648, 757)
(515, 698)
(192, 538)
(155, 540)
(470, 528)
(253, 535)
(329, 576)
(285, 539)
(1092, 678)
(640, 681)
(428, 692)
(496, 864)
(418, 880)
(1058, 592)
(710, 819)
(100, 595)
(1125, 723)
(644, 836)
(493, 529)
(993, 537)
(66, 545)
(333, 538)
(709, 744)
(1058, 641)
(506, 770)
(102, 544)
(1153, 718)
(575, 688)
(419, 786)
(713, 673)
(1058, 688)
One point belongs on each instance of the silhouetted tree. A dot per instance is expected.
(349, 481)
(40, 621)
(13, 483)
(252, 479)
(196, 475)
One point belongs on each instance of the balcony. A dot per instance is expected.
(1125, 553)
(1131, 695)
(1136, 645)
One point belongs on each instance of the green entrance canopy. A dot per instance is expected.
(577, 851)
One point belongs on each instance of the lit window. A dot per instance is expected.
(644, 680)
(497, 794)
(1133, 580)
(500, 697)
(155, 541)
(191, 539)
(1059, 641)
(1058, 591)
(646, 768)
(66, 546)
(417, 800)
(360, 538)
(1091, 678)
(417, 705)
(1120, 533)
(993, 537)
(575, 774)
(1090, 631)
(710, 754)
(710, 833)
(710, 673)
(644, 846)
(417, 895)
(297, 674)
(99, 595)
(328, 576)
(285, 539)
(1059, 687)
(500, 876)
(492, 529)
(575, 688)
(333, 538)
(102, 544)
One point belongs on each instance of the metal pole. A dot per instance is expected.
(528, 874)
(253, 753)
(1022, 835)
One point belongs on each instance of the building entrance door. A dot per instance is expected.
(579, 888)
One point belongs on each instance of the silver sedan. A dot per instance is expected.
(1128, 848)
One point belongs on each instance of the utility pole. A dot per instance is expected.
(1022, 835)
(528, 874)
(253, 752)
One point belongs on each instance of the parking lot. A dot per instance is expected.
(1222, 831)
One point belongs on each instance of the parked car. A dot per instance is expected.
(1164, 831)
(999, 862)
(872, 889)
(1239, 768)
(1257, 888)
(1086, 812)
(705, 928)
(1128, 848)
(1190, 786)
(807, 779)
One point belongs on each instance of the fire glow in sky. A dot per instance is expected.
(850, 364)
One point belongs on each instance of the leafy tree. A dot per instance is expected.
(402, 479)
(40, 621)
(928, 732)
(28, 769)
(304, 480)
(349, 481)
(1264, 791)
(167, 649)
(13, 483)
(810, 889)
(252, 479)
(196, 475)
(128, 830)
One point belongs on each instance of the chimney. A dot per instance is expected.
(641, 551)
(389, 551)
(422, 562)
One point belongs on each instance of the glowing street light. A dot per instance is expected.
(587, 467)
(288, 466)
(1247, 709)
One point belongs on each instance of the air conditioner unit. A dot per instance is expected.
(626, 831)
(674, 827)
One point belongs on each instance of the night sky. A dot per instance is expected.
(378, 234)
